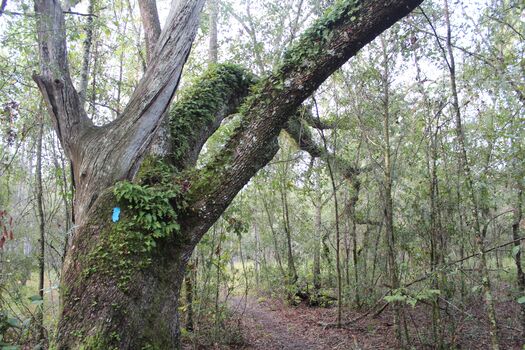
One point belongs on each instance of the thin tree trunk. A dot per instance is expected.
(520, 275)
(84, 75)
(292, 272)
(337, 229)
(388, 201)
(337, 248)
(436, 240)
(257, 253)
(274, 237)
(317, 250)
(213, 48)
(41, 229)
(464, 165)
(151, 24)
(356, 185)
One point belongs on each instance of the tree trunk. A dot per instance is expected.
(274, 236)
(292, 272)
(399, 320)
(465, 168)
(84, 76)
(113, 295)
(437, 251)
(213, 43)
(520, 275)
(41, 229)
(257, 258)
(317, 250)
(356, 185)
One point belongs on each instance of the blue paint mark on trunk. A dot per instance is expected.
(116, 214)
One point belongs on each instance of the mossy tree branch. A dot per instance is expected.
(201, 108)
(327, 45)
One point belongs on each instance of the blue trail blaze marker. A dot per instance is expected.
(116, 214)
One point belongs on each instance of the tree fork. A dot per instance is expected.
(102, 156)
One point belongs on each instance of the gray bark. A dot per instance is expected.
(84, 76)
(102, 155)
(151, 25)
(213, 44)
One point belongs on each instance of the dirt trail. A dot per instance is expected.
(272, 325)
(266, 327)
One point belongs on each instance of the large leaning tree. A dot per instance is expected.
(122, 274)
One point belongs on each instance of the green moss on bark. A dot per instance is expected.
(313, 42)
(148, 216)
(198, 106)
(101, 341)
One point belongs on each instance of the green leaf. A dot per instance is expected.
(521, 300)
(515, 250)
(36, 300)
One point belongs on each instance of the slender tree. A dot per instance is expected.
(480, 233)
(41, 229)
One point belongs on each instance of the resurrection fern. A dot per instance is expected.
(198, 105)
(148, 218)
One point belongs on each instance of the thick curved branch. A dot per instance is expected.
(322, 49)
(300, 132)
(200, 110)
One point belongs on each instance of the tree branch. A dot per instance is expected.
(200, 110)
(298, 129)
(2, 6)
(151, 24)
(319, 124)
(63, 103)
(322, 49)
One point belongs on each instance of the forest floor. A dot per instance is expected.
(260, 322)
(272, 324)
